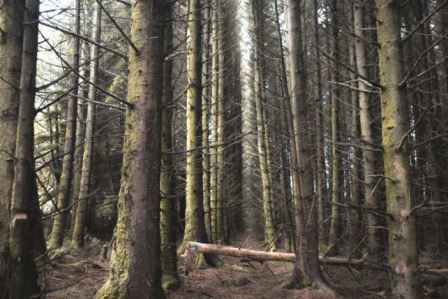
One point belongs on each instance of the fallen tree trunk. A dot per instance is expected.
(195, 248)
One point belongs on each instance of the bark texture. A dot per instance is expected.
(402, 239)
(135, 261)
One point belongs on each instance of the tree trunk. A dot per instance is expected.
(269, 233)
(23, 283)
(335, 226)
(64, 188)
(214, 121)
(86, 170)
(194, 214)
(11, 14)
(168, 213)
(80, 136)
(206, 93)
(135, 261)
(354, 222)
(371, 194)
(307, 268)
(402, 242)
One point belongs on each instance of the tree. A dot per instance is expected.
(307, 268)
(194, 213)
(11, 16)
(371, 193)
(135, 261)
(64, 188)
(262, 135)
(402, 239)
(25, 214)
(86, 169)
(168, 213)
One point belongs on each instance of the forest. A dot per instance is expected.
(223, 149)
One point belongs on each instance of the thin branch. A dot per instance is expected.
(85, 39)
(118, 27)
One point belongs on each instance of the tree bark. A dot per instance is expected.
(168, 213)
(86, 170)
(194, 213)
(335, 225)
(135, 261)
(307, 268)
(402, 240)
(371, 193)
(65, 184)
(214, 121)
(25, 203)
(206, 94)
(263, 158)
(11, 14)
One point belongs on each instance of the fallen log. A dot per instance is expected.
(195, 248)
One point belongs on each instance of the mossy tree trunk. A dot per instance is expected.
(80, 134)
(65, 184)
(135, 261)
(168, 213)
(86, 169)
(194, 214)
(11, 14)
(402, 238)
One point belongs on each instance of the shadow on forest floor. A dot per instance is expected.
(80, 274)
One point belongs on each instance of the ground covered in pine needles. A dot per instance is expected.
(78, 274)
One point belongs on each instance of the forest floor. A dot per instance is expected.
(80, 274)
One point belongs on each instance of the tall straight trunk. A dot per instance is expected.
(402, 240)
(307, 268)
(214, 119)
(80, 136)
(287, 174)
(23, 274)
(269, 233)
(194, 214)
(206, 69)
(168, 213)
(64, 188)
(220, 127)
(320, 165)
(86, 170)
(335, 226)
(371, 194)
(135, 261)
(353, 221)
(11, 14)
